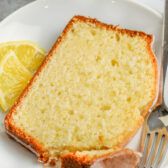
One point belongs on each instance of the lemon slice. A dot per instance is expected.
(28, 53)
(18, 62)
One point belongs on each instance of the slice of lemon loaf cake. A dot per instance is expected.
(92, 92)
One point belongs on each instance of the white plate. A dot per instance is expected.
(42, 21)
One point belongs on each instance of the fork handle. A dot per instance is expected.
(164, 55)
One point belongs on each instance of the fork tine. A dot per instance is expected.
(142, 143)
(143, 137)
(150, 137)
(161, 153)
(151, 147)
(143, 147)
(158, 139)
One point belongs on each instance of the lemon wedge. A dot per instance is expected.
(18, 62)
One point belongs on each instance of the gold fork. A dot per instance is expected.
(154, 139)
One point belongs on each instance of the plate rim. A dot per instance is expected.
(144, 6)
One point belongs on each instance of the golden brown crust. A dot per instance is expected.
(28, 139)
(155, 67)
(72, 161)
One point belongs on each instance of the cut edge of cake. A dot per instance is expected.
(30, 142)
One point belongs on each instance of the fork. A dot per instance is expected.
(154, 139)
